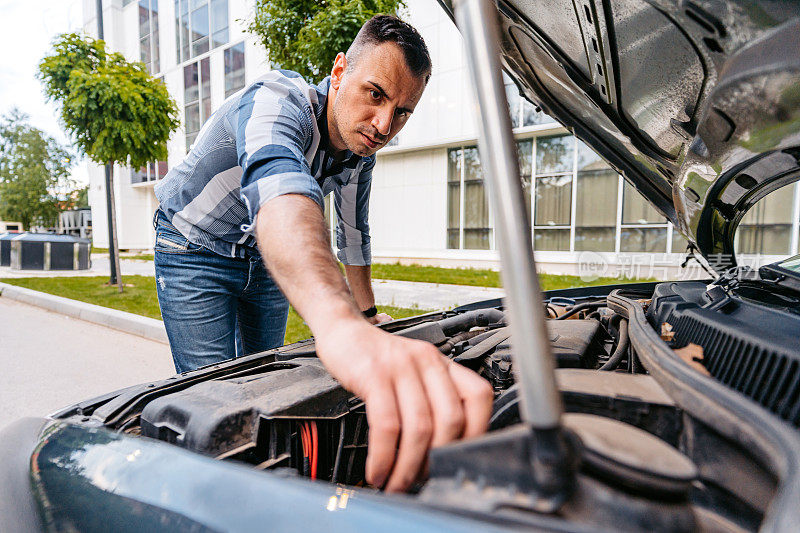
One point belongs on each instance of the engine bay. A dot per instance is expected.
(638, 442)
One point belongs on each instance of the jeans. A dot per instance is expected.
(214, 307)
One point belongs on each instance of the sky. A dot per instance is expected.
(27, 28)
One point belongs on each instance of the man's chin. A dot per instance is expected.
(362, 150)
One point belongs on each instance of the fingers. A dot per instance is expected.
(416, 432)
(384, 429)
(380, 318)
(448, 412)
(477, 397)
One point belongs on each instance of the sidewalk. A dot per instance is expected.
(409, 294)
(50, 361)
(432, 296)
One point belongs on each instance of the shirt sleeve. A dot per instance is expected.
(351, 203)
(274, 127)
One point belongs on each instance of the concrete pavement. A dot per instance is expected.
(50, 361)
(432, 296)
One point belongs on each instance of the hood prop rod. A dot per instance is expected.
(551, 457)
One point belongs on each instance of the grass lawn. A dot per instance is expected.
(480, 278)
(140, 298)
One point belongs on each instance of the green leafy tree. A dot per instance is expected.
(33, 167)
(114, 110)
(306, 35)
(80, 197)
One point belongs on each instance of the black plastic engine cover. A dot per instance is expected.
(749, 345)
(217, 416)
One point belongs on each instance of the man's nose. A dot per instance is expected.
(382, 121)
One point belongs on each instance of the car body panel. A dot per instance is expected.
(92, 479)
(696, 103)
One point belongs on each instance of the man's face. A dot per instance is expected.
(372, 100)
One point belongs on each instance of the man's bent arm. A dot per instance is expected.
(360, 282)
(415, 398)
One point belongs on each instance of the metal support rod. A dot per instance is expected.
(540, 403)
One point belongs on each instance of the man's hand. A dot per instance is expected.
(415, 398)
(380, 318)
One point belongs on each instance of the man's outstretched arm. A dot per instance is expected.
(415, 398)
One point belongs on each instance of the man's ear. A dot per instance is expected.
(337, 72)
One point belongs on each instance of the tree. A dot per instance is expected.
(306, 35)
(114, 110)
(33, 166)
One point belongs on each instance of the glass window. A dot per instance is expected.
(152, 171)
(766, 228)
(596, 210)
(525, 155)
(554, 154)
(596, 202)
(148, 35)
(190, 83)
(234, 69)
(679, 242)
(551, 239)
(205, 86)
(453, 198)
(643, 240)
(139, 176)
(219, 22)
(553, 199)
(636, 209)
(196, 97)
(192, 118)
(464, 170)
(477, 233)
(201, 25)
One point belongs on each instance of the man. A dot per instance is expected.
(256, 176)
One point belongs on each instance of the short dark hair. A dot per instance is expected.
(386, 28)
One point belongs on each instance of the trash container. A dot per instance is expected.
(5, 248)
(48, 251)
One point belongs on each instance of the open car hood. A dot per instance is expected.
(695, 103)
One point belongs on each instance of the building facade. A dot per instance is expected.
(428, 202)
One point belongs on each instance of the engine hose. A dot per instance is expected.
(622, 346)
(581, 307)
(448, 346)
(470, 319)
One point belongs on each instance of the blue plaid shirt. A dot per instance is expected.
(266, 140)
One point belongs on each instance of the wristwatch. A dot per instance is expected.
(371, 312)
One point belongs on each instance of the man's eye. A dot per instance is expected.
(402, 114)
(376, 95)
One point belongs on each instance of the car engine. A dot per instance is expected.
(645, 457)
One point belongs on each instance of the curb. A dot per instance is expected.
(142, 326)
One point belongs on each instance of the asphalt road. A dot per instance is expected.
(49, 361)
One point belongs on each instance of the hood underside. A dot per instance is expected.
(695, 103)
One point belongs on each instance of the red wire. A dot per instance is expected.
(304, 439)
(314, 446)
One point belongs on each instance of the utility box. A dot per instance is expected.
(47, 251)
(5, 248)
